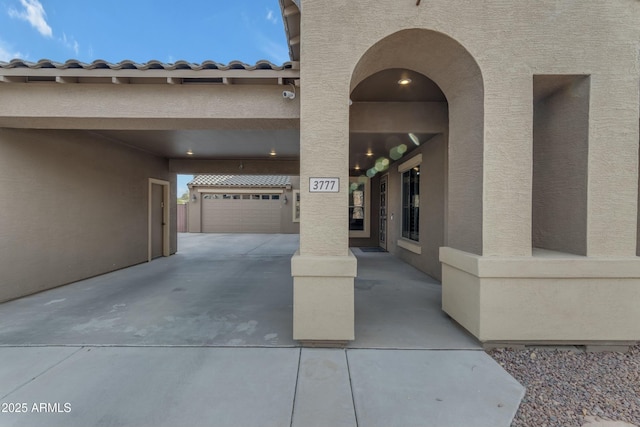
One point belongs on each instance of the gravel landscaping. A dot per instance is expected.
(564, 386)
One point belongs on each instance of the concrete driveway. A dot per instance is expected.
(204, 338)
(228, 290)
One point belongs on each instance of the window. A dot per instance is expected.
(359, 207)
(356, 207)
(296, 205)
(411, 203)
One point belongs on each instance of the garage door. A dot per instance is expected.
(241, 213)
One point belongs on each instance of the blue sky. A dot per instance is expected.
(142, 30)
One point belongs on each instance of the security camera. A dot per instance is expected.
(287, 94)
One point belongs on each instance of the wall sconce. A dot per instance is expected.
(194, 198)
(285, 199)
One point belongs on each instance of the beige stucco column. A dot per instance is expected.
(324, 268)
(507, 164)
(613, 163)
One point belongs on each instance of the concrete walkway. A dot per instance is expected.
(204, 338)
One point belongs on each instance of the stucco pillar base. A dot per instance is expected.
(323, 298)
(548, 298)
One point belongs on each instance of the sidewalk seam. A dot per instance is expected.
(295, 389)
(353, 398)
(40, 374)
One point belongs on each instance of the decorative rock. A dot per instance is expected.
(575, 388)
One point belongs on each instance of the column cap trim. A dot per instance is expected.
(324, 266)
(569, 266)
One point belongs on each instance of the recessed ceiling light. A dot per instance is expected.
(189, 153)
(404, 81)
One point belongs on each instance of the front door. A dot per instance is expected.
(157, 220)
(383, 213)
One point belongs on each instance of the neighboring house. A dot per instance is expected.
(492, 144)
(243, 204)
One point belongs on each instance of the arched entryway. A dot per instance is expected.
(416, 153)
(441, 67)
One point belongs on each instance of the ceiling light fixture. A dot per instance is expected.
(189, 153)
(272, 153)
(404, 81)
(414, 138)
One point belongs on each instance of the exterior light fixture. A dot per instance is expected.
(285, 199)
(272, 153)
(404, 81)
(369, 153)
(356, 167)
(194, 198)
(189, 152)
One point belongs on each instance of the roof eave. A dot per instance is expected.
(291, 13)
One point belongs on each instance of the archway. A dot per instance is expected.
(416, 133)
(451, 68)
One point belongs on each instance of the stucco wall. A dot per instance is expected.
(560, 164)
(510, 42)
(74, 206)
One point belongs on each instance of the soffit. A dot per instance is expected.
(380, 145)
(383, 87)
(211, 143)
(291, 18)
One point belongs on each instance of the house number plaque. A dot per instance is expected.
(324, 185)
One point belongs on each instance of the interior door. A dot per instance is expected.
(382, 232)
(157, 220)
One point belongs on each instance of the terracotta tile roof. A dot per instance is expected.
(151, 65)
(241, 180)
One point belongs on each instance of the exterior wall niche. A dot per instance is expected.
(560, 163)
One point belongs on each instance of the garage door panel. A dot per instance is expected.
(255, 214)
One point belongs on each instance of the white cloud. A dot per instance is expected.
(271, 16)
(276, 52)
(7, 53)
(70, 43)
(34, 14)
